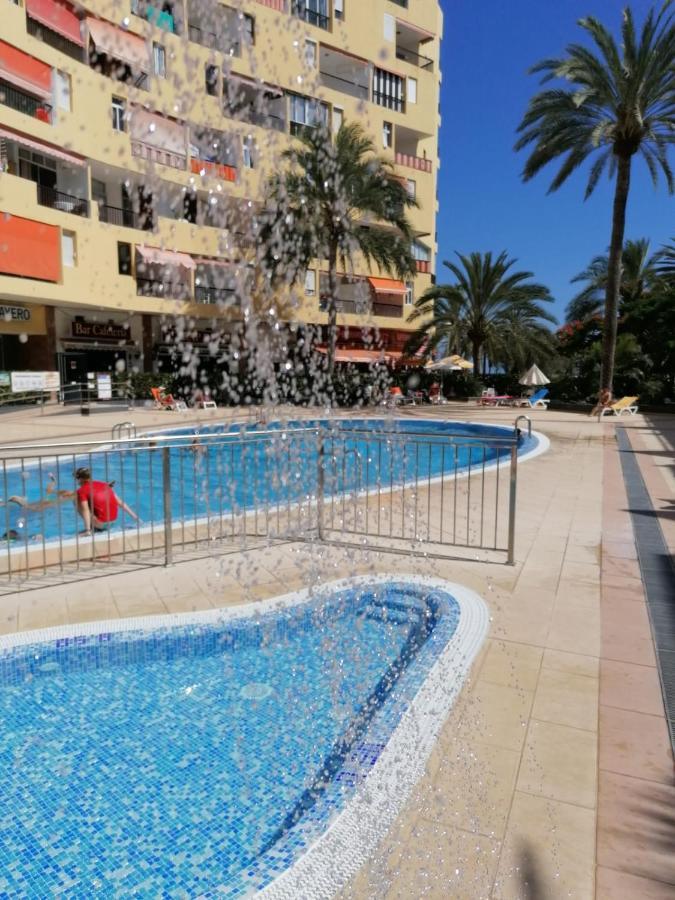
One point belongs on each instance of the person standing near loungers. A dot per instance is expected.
(97, 503)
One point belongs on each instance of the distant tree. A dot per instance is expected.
(334, 200)
(639, 269)
(619, 102)
(486, 301)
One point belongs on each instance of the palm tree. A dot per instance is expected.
(336, 199)
(665, 265)
(618, 102)
(638, 271)
(485, 298)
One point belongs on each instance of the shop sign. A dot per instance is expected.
(100, 331)
(35, 381)
(104, 386)
(14, 313)
(15, 319)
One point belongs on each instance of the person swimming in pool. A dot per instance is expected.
(97, 503)
(21, 513)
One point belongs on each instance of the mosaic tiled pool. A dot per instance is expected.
(183, 758)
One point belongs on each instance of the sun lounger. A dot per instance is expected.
(536, 400)
(625, 405)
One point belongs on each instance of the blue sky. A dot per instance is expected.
(487, 49)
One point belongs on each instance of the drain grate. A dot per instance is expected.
(658, 573)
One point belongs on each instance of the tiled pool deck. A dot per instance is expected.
(554, 770)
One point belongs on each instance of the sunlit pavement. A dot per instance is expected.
(554, 770)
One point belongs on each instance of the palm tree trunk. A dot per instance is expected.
(332, 310)
(475, 352)
(614, 272)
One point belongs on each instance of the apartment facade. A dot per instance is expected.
(135, 144)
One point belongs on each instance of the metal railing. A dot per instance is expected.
(345, 85)
(48, 196)
(151, 287)
(126, 218)
(204, 293)
(24, 103)
(416, 59)
(439, 494)
(397, 104)
(311, 16)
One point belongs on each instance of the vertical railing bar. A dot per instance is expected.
(499, 465)
(42, 517)
(391, 490)
(5, 492)
(512, 504)
(468, 496)
(151, 479)
(320, 484)
(417, 488)
(379, 486)
(454, 510)
(195, 497)
(59, 515)
(367, 486)
(403, 486)
(180, 456)
(25, 537)
(108, 530)
(166, 495)
(137, 498)
(482, 495)
(133, 505)
(221, 481)
(233, 494)
(442, 491)
(77, 524)
(207, 478)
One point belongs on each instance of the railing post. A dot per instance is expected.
(166, 488)
(320, 484)
(512, 504)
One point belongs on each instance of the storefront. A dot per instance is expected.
(96, 346)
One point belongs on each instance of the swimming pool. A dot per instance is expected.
(238, 469)
(224, 752)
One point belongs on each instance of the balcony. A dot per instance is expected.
(223, 297)
(163, 290)
(414, 58)
(125, 218)
(142, 150)
(310, 15)
(390, 310)
(54, 39)
(423, 266)
(413, 162)
(48, 196)
(25, 103)
(343, 73)
(216, 170)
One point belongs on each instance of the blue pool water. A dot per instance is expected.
(228, 474)
(206, 757)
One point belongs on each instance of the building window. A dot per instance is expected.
(118, 116)
(339, 9)
(248, 30)
(411, 94)
(338, 118)
(123, 258)
(62, 90)
(388, 90)
(411, 187)
(307, 113)
(211, 79)
(310, 53)
(248, 152)
(159, 60)
(68, 257)
(310, 282)
(409, 293)
(387, 135)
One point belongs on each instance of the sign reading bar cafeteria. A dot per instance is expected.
(100, 331)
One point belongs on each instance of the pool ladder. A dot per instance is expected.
(122, 429)
(529, 424)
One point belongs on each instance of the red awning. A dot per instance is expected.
(25, 71)
(387, 286)
(166, 257)
(42, 146)
(122, 45)
(357, 356)
(58, 16)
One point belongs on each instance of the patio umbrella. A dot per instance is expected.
(534, 377)
(452, 363)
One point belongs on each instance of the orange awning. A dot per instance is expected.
(25, 71)
(30, 249)
(357, 356)
(166, 257)
(57, 16)
(387, 286)
(122, 45)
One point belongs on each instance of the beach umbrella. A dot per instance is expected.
(452, 363)
(534, 377)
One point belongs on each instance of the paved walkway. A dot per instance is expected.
(518, 784)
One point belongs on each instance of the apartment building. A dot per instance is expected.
(136, 139)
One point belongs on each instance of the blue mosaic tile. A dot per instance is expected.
(201, 759)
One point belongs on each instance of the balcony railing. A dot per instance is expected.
(172, 290)
(423, 266)
(48, 196)
(54, 39)
(204, 293)
(311, 15)
(279, 5)
(217, 170)
(345, 86)
(24, 103)
(154, 154)
(389, 102)
(126, 218)
(416, 59)
(414, 162)
(391, 310)
(199, 35)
